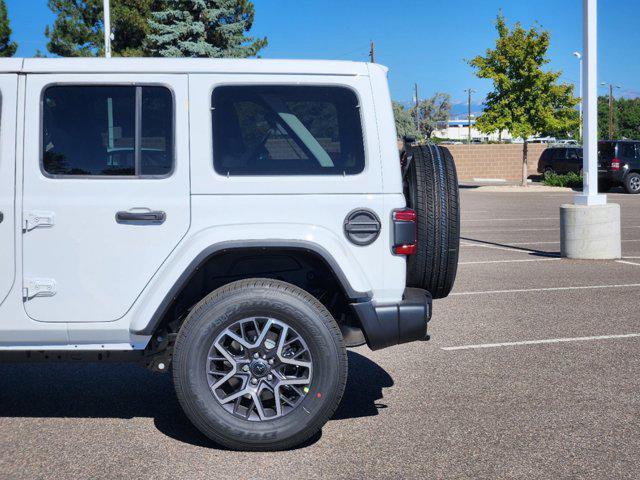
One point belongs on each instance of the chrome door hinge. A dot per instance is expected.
(37, 219)
(38, 287)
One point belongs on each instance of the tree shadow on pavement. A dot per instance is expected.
(128, 391)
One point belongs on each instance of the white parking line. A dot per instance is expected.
(520, 219)
(542, 342)
(628, 263)
(513, 261)
(520, 243)
(547, 289)
(556, 229)
(516, 230)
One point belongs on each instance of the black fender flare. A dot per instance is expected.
(354, 296)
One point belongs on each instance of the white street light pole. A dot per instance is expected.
(590, 227)
(589, 194)
(107, 29)
(578, 55)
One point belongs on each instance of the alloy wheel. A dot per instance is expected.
(259, 369)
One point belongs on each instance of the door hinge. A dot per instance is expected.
(38, 287)
(37, 219)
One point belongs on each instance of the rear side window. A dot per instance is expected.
(286, 130)
(606, 151)
(574, 153)
(107, 131)
(627, 150)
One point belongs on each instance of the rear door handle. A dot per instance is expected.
(1, 217)
(141, 217)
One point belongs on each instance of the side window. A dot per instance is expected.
(626, 150)
(286, 130)
(107, 131)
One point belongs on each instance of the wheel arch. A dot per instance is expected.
(264, 247)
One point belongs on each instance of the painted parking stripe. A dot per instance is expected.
(513, 261)
(525, 243)
(556, 229)
(547, 289)
(519, 219)
(542, 342)
(514, 230)
(626, 262)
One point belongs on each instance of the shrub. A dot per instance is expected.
(571, 180)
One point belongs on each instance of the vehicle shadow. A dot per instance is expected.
(128, 391)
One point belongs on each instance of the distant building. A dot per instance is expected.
(458, 130)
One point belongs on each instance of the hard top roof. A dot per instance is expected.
(183, 65)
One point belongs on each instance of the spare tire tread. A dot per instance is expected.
(432, 190)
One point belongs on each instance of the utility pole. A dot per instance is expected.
(107, 29)
(469, 91)
(417, 101)
(610, 112)
(372, 52)
(611, 86)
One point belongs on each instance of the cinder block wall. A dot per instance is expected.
(494, 161)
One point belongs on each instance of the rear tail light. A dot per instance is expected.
(405, 240)
(615, 165)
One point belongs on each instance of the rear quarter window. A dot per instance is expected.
(286, 130)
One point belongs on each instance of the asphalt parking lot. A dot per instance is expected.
(483, 399)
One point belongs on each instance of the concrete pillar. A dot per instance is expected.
(590, 232)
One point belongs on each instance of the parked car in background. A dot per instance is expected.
(567, 142)
(541, 140)
(619, 164)
(560, 160)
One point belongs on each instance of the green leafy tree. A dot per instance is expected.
(526, 99)
(204, 28)
(7, 47)
(626, 118)
(405, 123)
(78, 29)
(433, 113)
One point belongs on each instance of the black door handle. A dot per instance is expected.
(141, 218)
(1, 217)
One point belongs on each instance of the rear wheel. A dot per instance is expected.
(431, 189)
(259, 365)
(548, 171)
(632, 183)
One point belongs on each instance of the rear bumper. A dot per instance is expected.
(387, 325)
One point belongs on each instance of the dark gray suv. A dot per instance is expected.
(619, 164)
(560, 160)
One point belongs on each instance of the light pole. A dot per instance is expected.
(578, 55)
(469, 91)
(590, 227)
(604, 84)
(107, 29)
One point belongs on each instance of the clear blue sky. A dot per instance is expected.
(424, 41)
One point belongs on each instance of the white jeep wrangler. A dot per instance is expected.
(240, 221)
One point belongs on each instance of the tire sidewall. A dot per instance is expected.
(210, 320)
(627, 183)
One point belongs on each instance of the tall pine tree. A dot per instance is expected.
(78, 29)
(7, 47)
(204, 28)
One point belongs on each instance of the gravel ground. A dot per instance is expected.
(550, 410)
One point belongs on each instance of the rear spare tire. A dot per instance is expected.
(431, 189)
